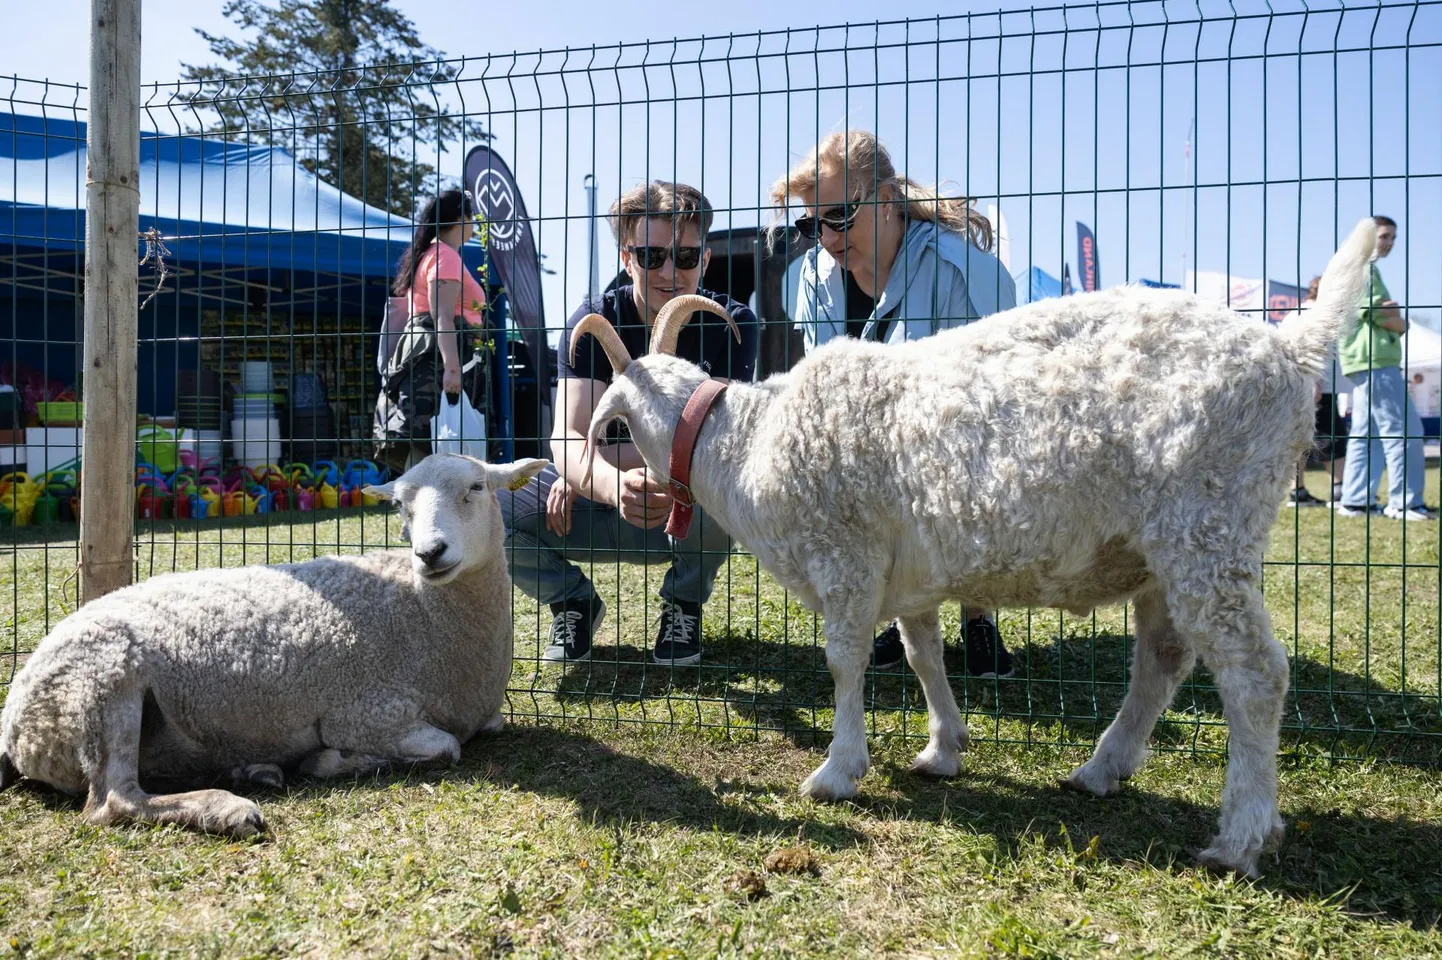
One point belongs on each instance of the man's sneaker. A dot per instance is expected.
(886, 650)
(1410, 514)
(1343, 510)
(986, 655)
(1300, 497)
(573, 624)
(678, 642)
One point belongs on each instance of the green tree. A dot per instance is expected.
(347, 85)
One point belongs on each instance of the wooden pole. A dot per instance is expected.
(112, 222)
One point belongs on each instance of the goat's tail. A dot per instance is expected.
(1339, 297)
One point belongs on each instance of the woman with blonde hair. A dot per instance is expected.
(894, 260)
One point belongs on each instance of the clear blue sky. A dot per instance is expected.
(1021, 136)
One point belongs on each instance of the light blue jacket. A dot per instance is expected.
(939, 281)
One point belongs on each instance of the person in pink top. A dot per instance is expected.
(433, 353)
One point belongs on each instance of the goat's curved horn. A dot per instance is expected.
(673, 317)
(606, 335)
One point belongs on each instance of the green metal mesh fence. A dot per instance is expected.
(1221, 148)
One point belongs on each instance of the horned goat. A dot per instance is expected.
(1130, 444)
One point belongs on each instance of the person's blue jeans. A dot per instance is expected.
(544, 565)
(1386, 431)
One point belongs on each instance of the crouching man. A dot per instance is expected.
(552, 524)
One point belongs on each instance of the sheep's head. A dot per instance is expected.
(649, 392)
(449, 512)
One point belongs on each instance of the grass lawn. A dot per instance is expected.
(581, 830)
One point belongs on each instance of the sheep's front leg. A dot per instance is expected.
(848, 649)
(921, 635)
(423, 744)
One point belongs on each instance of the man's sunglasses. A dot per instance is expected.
(839, 219)
(653, 258)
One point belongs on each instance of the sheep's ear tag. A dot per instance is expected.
(518, 483)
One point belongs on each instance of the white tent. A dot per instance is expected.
(1422, 357)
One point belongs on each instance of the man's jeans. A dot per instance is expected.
(1391, 436)
(544, 565)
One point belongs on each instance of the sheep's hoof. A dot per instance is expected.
(264, 776)
(325, 762)
(936, 763)
(238, 818)
(1090, 778)
(1218, 860)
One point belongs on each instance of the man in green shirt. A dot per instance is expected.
(1385, 425)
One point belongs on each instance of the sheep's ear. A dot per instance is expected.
(514, 476)
(386, 491)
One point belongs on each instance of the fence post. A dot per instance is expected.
(112, 220)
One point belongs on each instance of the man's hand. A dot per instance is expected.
(645, 502)
(1391, 316)
(558, 507)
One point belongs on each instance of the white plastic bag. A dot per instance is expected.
(458, 428)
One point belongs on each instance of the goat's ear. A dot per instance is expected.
(514, 476)
(386, 491)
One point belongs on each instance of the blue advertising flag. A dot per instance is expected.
(512, 249)
(1086, 257)
(1282, 299)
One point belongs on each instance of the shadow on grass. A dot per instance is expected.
(1072, 687)
(1376, 869)
(1384, 870)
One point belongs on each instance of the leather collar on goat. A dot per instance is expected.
(683, 446)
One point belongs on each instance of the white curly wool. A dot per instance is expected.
(1128, 444)
(340, 665)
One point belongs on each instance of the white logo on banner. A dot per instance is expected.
(498, 200)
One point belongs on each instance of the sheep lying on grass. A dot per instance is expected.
(341, 665)
(1124, 445)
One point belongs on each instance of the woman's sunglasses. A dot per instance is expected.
(839, 219)
(653, 258)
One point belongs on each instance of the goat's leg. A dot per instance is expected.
(921, 635)
(422, 744)
(1161, 660)
(111, 758)
(1231, 630)
(848, 650)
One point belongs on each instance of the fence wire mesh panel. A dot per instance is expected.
(284, 367)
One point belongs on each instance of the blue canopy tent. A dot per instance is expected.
(247, 230)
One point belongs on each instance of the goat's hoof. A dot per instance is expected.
(827, 786)
(1218, 860)
(1088, 778)
(936, 763)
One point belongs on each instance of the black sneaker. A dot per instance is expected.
(1301, 497)
(573, 624)
(986, 655)
(678, 641)
(886, 650)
